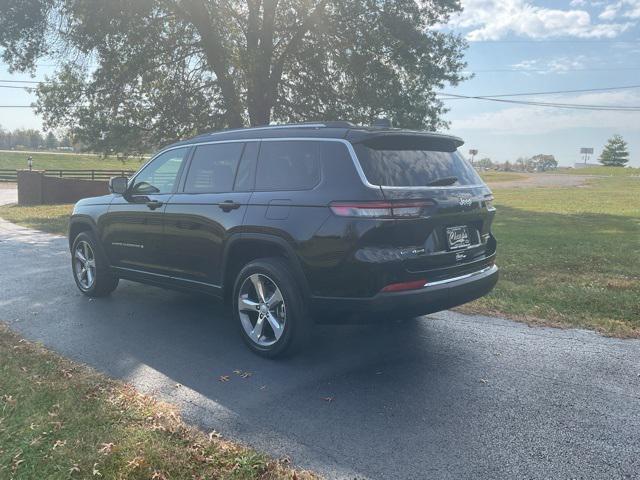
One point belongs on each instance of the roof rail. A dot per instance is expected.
(271, 127)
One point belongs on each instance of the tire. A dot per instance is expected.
(92, 275)
(290, 314)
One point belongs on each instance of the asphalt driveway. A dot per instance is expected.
(444, 396)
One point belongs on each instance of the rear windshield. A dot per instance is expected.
(413, 163)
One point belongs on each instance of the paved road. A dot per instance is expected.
(445, 396)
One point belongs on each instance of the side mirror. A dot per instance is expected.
(118, 185)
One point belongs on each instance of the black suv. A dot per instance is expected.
(295, 224)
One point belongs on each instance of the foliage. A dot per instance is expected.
(484, 163)
(169, 68)
(542, 162)
(615, 153)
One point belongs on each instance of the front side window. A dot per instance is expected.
(161, 174)
(288, 165)
(213, 168)
(413, 162)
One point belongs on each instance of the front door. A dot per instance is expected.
(208, 208)
(134, 226)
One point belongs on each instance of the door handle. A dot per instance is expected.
(153, 204)
(229, 205)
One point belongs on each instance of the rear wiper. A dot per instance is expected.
(442, 182)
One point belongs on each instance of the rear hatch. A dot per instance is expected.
(450, 234)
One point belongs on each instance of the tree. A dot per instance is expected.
(172, 68)
(615, 153)
(51, 142)
(544, 162)
(484, 163)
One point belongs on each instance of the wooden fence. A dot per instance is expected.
(10, 175)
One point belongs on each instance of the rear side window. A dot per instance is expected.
(411, 162)
(213, 168)
(288, 165)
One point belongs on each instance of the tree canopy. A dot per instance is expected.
(133, 74)
(615, 153)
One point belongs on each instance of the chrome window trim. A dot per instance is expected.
(492, 269)
(348, 144)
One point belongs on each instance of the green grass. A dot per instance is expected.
(570, 256)
(47, 218)
(501, 176)
(66, 161)
(605, 171)
(62, 420)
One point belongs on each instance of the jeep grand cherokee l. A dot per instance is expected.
(295, 224)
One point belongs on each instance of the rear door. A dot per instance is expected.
(209, 206)
(452, 234)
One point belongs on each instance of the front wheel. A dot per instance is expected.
(269, 308)
(90, 267)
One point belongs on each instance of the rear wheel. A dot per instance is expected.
(91, 270)
(269, 308)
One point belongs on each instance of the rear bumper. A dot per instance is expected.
(433, 297)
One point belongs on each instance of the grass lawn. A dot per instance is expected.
(62, 420)
(569, 256)
(48, 218)
(606, 171)
(501, 176)
(70, 161)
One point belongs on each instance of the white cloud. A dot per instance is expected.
(562, 64)
(495, 19)
(529, 120)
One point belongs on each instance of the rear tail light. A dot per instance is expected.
(404, 286)
(409, 209)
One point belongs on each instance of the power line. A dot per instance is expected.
(552, 104)
(489, 42)
(14, 86)
(549, 70)
(584, 90)
(23, 81)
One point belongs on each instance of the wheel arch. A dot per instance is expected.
(79, 224)
(243, 248)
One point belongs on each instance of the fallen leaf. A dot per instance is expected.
(106, 448)
(224, 378)
(158, 476)
(135, 463)
(59, 443)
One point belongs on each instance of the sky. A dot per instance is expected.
(516, 46)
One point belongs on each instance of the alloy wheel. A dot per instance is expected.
(262, 310)
(84, 265)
